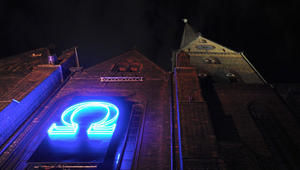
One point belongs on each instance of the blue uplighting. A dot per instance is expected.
(105, 126)
(118, 157)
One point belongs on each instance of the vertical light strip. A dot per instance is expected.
(178, 123)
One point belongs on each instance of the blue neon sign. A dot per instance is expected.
(106, 125)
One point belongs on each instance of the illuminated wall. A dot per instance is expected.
(16, 112)
(86, 129)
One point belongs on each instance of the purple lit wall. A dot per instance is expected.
(16, 112)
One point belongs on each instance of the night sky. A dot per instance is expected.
(265, 30)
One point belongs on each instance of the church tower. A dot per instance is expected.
(220, 63)
(226, 115)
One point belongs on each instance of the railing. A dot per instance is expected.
(121, 79)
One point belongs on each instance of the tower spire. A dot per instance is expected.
(188, 34)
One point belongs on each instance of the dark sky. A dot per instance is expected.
(265, 30)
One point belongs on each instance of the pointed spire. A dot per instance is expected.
(188, 34)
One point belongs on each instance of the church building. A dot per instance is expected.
(212, 111)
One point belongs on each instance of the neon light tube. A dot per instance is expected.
(106, 125)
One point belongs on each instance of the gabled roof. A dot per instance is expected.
(149, 69)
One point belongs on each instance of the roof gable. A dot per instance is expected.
(130, 62)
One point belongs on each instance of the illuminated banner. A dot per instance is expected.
(106, 125)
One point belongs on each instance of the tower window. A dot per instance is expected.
(202, 41)
(203, 76)
(232, 77)
(211, 60)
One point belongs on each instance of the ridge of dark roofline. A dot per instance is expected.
(136, 53)
(139, 54)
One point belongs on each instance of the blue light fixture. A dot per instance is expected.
(105, 126)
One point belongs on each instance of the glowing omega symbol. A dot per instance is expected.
(105, 126)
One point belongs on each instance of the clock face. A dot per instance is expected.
(205, 47)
